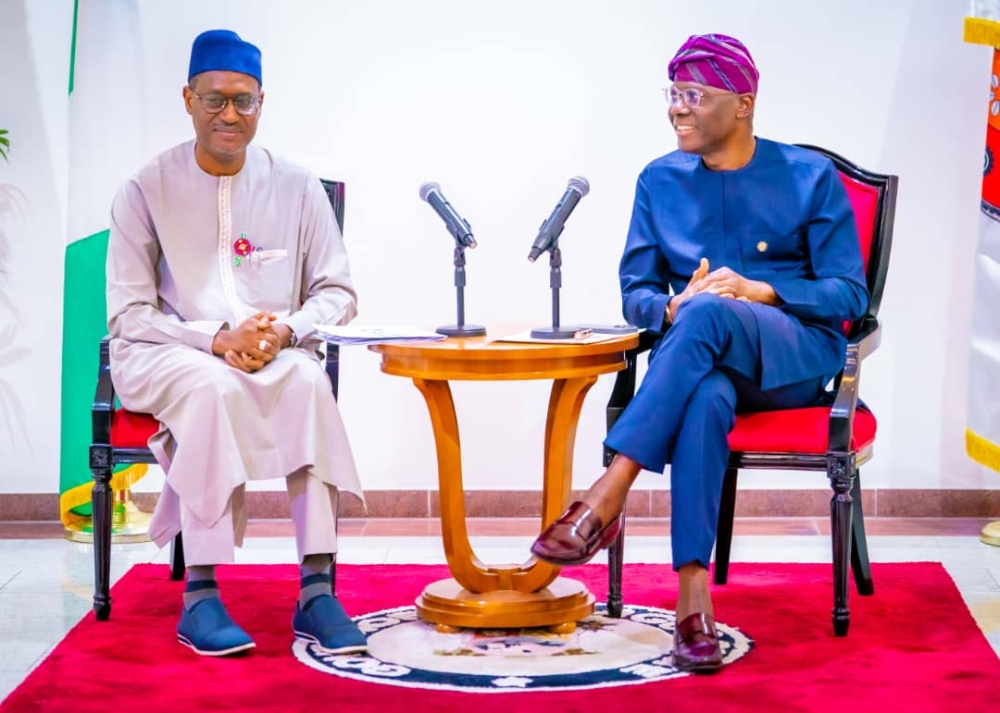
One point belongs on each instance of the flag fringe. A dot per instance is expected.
(80, 495)
(982, 451)
(982, 32)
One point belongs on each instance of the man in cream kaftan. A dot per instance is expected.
(223, 427)
(221, 259)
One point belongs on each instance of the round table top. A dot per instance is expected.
(482, 359)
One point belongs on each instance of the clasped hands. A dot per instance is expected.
(724, 283)
(252, 344)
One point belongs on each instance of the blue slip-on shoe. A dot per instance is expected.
(325, 625)
(208, 630)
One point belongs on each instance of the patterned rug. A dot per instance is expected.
(912, 646)
(602, 652)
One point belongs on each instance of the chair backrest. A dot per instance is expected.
(335, 192)
(873, 198)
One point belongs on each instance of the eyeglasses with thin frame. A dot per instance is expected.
(690, 96)
(245, 104)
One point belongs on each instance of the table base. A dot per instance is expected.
(558, 607)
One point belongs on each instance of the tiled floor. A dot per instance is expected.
(46, 582)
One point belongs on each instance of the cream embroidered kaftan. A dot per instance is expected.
(174, 280)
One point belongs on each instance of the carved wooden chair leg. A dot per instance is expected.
(177, 558)
(616, 557)
(860, 564)
(724, 536)
(841, 509)
(102, 502)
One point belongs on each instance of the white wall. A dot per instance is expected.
(34, 54)
(501, 104)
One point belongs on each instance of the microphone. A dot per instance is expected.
(457, 225)
(552, 228)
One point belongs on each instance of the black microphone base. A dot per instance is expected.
(554, 332)
(465, 330)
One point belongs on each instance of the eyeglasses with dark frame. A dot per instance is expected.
(245, 104)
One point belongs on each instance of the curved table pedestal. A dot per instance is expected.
(503, 596)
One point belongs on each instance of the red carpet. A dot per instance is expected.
(913, 646)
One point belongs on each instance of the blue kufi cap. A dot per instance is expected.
(223, 50)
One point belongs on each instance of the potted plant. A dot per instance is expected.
(11, 409)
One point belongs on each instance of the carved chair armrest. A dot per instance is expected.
(104, 397)
(868, 337)
(333, 367)
(624, 388)
(845, 404)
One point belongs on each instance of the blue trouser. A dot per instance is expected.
(704, 369)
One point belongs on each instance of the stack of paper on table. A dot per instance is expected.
(387, 334)
(583, 336)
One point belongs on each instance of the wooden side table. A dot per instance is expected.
(503, 596)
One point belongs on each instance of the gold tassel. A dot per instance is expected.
(982, 451)
(982, 32)
(80, 495)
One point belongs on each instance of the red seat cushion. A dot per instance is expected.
(799, 430)
(132, 430)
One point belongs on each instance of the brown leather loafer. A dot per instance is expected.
(575, 537)
(696, 645)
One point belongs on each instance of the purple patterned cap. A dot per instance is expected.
(716, 61)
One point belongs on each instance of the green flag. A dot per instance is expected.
(106, 132)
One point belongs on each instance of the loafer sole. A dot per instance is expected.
(222, 652)
(349, 649)
(697, 667)
(559, 562)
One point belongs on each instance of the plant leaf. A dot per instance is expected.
(12, 412)
(12, 355)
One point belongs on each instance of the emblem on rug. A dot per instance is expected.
(602, 652)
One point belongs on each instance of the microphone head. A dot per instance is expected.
(425, 190)
(580, 185)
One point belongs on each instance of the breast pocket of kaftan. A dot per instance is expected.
(271, 280)
(769, 253)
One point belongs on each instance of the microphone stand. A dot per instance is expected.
(461, 329)
(555, 282)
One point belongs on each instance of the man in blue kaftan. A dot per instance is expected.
(744, 254)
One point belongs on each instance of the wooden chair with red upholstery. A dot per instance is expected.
(835, 440)
(120, 437)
